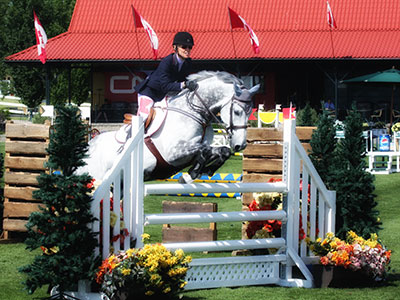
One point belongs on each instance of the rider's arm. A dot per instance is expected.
(167, 82)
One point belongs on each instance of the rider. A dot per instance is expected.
(169, 76)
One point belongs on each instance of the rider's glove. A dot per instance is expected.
(191, 85)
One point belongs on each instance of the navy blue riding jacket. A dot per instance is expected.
(166, 78)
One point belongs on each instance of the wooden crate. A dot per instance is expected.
(172, 234)
(262, 158)
(25, 155)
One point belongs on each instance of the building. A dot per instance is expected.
(302, 59)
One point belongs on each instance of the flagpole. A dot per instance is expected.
(233, 40)
(333, 49)
(134, 23)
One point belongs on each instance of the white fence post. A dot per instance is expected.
(138, 183)
(289, 178)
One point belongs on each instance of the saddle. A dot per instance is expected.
(150, 118)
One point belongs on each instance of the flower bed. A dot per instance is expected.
(369, 256)
(152, 271)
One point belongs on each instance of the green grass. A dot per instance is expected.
(387, 190)
(13, 256)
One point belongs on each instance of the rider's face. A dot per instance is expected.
(184, 51)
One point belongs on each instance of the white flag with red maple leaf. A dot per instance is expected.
(238, 22)
(330, 18)
(41, 39)
(142, 23)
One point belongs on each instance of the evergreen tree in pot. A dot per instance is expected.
(355, 201)
(60, 229)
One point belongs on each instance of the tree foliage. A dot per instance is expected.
(18, 33)
(323, 144)
(342, 166)
(307, 116)
(355, 204)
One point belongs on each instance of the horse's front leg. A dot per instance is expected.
(219, 156)
(209, 160)
(199, 162)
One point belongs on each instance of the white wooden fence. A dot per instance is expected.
(305, 198)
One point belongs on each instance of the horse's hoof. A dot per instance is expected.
(185, 178)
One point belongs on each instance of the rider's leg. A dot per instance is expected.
(145, 104)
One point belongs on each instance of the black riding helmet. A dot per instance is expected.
(183, 38)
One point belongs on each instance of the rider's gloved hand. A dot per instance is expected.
(191, 85)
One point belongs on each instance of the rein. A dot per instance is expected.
(231, 126)
(210, 115)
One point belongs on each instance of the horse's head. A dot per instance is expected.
(223, 93)
(235, 114)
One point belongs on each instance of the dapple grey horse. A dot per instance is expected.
(184, 135)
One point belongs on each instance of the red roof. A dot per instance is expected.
(103, 30)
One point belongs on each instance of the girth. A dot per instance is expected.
(163, 169)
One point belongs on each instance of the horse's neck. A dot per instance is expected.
(203, 99)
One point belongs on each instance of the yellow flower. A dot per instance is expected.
(179, 253)
(149, 293)
(167, 290)
(330, 235)
(155, 277)
(183, 284)
(187, 259)
(113, 218)
(130, 252)
(126, 272)
(145, 237)
(55, 249)
(374, 237)
(112, 260)
(352, 234)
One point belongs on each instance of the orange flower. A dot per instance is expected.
(106, 267)
(324, 260)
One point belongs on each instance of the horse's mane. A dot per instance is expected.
(221, 75)
(202, 75)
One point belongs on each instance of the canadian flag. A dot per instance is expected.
(41, 39)
(238, 22)
(330, 18)
(142, 23)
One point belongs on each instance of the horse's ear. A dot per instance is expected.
(238, 90)
(254, 89)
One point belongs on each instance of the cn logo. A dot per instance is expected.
(123, 84)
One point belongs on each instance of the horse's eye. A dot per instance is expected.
(237, 113)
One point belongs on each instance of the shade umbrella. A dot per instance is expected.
(390, 76)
